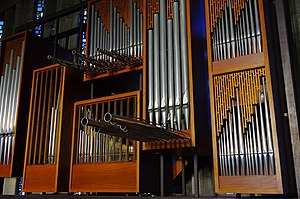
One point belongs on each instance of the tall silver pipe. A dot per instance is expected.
(225, 162)
(15, 94)
(257, 27)
(98, 41)
(163, 62)
(150, 76)
(220, 157)
(134, 29)
(50, 135)
(121, 47)
(170, 72)
(249, 50)
(10, 102)
(228, 148)
(157, 110)
(240, 133)
(227, 31)
(96, 34)
(253, 38)
(263, 137)
(218, 54)
(114, 29)
(251, 150)
(223, 43)
(220, 39)
(92, 30)
(268, 128)
(7, 93)
(177, 59)
(2, 97)
(243, 33)
(118, 32)
(111, 29)
(138, 35)
(131, 29)
(231, 145)
(19, 75)
(232, 40)
(141, 34)
(235, 138)
(79, 141)
(255, 148)
(259, 147)
(184, 63)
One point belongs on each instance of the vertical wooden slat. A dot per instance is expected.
(33, 119)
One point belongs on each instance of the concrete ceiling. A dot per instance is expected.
(5, 4)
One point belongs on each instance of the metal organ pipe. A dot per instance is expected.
(170, 72)
(150, 76)
(157, 102)
(163, 63)
(177, 69)
(184, 63)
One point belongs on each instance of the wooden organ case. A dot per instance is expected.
(246, 143)
(101, 162)
(18, 59)
(48, 146)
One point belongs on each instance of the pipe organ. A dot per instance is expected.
(245, 135)
(16, 66)
(49, 131)
(115, 42)
(168, 66)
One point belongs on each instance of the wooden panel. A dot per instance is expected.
(5, 170)
(249, 184)
(104, 177)
(238, 63)
(40, 178)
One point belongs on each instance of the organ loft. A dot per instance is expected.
(149, 98)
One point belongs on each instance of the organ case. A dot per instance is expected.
(168, 79)
(18, 59)
(115, 36)
(246, 133)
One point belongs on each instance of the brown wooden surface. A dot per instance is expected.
(238, 63)
(104, 177)
(249, 184)
(5, 170)
(40, 178)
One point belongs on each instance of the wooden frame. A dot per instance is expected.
(49, 128)
(104, 175)
(260, 184)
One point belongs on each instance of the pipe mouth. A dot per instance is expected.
(84, 121)
(49, 57)
(107, 117)
(96, 130)
(73, 52)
